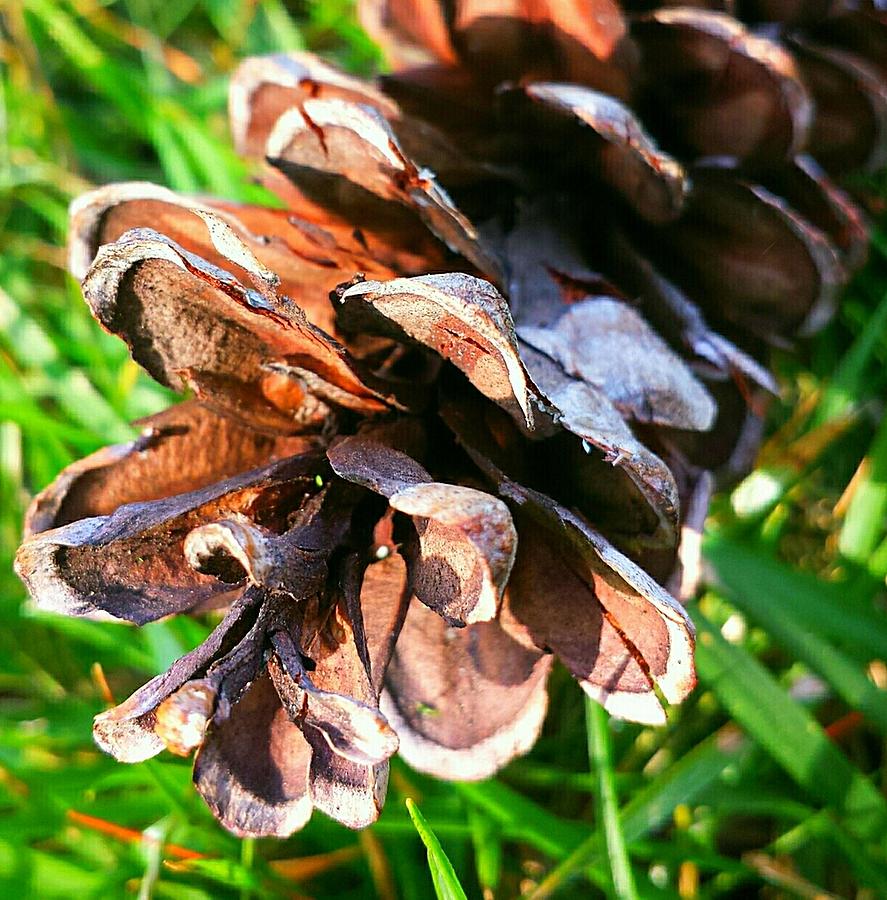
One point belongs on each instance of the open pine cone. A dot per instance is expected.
(455, 403)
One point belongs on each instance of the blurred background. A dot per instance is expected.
(769, 781)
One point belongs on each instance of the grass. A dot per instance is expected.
(768, 781)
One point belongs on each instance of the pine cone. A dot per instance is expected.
(455, 403)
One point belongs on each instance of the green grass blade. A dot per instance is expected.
(487, 841)
(848, 381)
(877, 563)
(788, 733)
(446, 883)
(601, 756)
(652, 806)
(520, 816)
(112, 80)
(866, 516)
(821, 825)
(745, 575)
(818, 606)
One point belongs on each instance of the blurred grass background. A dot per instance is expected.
(768, 782)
